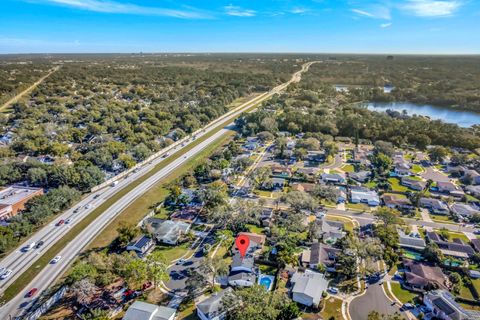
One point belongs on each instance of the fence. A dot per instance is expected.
(37, 313)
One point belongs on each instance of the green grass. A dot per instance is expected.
(396, 195)
(476, 284)
(332, 308)
(371, 184)
(458, 235)
(440, 218)
(348, 168)
(131, 214)
(347, 223)
(172, 253)
(466, 293)
(417, 169)
(403, 295)
(396, 186)
(254, 229)
(357, 206)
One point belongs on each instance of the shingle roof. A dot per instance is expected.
(214, 305)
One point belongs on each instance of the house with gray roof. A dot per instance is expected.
(456, 248)
(332, 230)
(140, 310)
(320, 253)
(473, 190)
(434, 205)
(463, 210)
(307, 287)
(413, 184)
(396, 202)
(360, 176)
(333, 178)
(363, 195)
(410, 241)
(214, 307)
(242, 270)
(443, 306)
(167, 231)
(473, 176)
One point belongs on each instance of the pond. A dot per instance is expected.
(462, 118)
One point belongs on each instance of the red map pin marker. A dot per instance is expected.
(242, 242)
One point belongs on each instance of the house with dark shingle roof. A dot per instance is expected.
(434, 205)
(413, 184)
(456, 248)
(214, 307)
(320, 253)
(423, 276)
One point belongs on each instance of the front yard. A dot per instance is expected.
(332, 308)
(396, 186)
(403, 295)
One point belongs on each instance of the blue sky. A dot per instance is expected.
(343, 26)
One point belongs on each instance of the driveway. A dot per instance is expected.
(373, 300)
(434, 175)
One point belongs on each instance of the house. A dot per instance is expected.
(473, 190)
(363, 195)
(320, 253)
(342, 196)
(457, 248)
(259, 239)
(307, 287)
(266, 217)
(242, 270)
(410, 241)
(278, 183)
(141, 245)
(423, 276)
(188, 214)
(413, 184)
(360, 176)
(443, 306)
(463, 210)
(316, 156)
(214, 307)
(398, 203)
(146, 311)
(13, 199)
(332, 230)
(360, 156)
(167, 231)
(476, 244)
(281, 171)
(333, 178)
(456, 171)
(309, 172)
(473, 176)
(402, 169)
(302, 187)
(446, 187)
(434, 205)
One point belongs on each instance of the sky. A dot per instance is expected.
(311, 26)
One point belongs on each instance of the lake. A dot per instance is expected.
(461, 117)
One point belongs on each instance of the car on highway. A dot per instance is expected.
(114, 183)
(31, 293)
(60, 222)
(88, 206)
(96, 196)
(180, 262)
(30, 246)
(56, 259)
(39, 244)
(76, 210)
(68, 220)
(166, 155)
(6, 274)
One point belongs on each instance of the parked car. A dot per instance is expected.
(333, 290)
(147, 285)
(56, 259)
(408, 306)
(31, 293)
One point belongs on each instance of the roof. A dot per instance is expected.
(392, 200)
(365, 195)
(361, 175)
(444, 301)
(476, 244)
(140, 241)
(146, 311)
(13, 194)
(246, 262)
(309, 283)
(213, 305)
(421, 274)
(446, 185)
(463, 209)
(332, 177)
(321, 253)
(410, 242)
(434, 203)
(299, 186)
(168, 229)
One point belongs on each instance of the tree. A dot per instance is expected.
(387, 216)
(83, 291)
(299, 200)
(81, 271)
(255, 303)
(384, 147)
(261, 176)
(126, 233)
(432, 253)
(382, 162)
(214, 195)
(327, 192)
(265, 136)
(437, 154)
(212, 268)
(135, 272)
(157, 268)
(289, 311)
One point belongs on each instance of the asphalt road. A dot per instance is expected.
(373, 299)
(21, 261)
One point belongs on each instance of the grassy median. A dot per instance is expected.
(133, 213)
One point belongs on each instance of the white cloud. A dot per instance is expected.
(299, 10)
(386, 25)
(432, 8)
(109, 6)
(375, 12)
(237, 11)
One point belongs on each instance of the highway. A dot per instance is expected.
(19, 261)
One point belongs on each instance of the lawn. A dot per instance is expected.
(254, 229)
(438, 217)
(172, 253)
(417, 169)
(357, 206)
(348, 168)
(466, 293)
(398, 196)
(371, 184)
(458, 235)
(396, 186)
(332, 308)
(348, 223)
(403, 295)
(476, 284)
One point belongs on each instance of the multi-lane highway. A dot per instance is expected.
(18, 261)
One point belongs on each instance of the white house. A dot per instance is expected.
(146, 311)
(308, 287)
(214, 308)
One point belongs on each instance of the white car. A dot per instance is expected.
(181, 261)
(333, 290)
(30, 246)
(56, 259)
(6, 274)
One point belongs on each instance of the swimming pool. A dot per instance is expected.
(266, 281)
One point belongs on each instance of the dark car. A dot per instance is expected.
(31, 293)
(39, 244)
